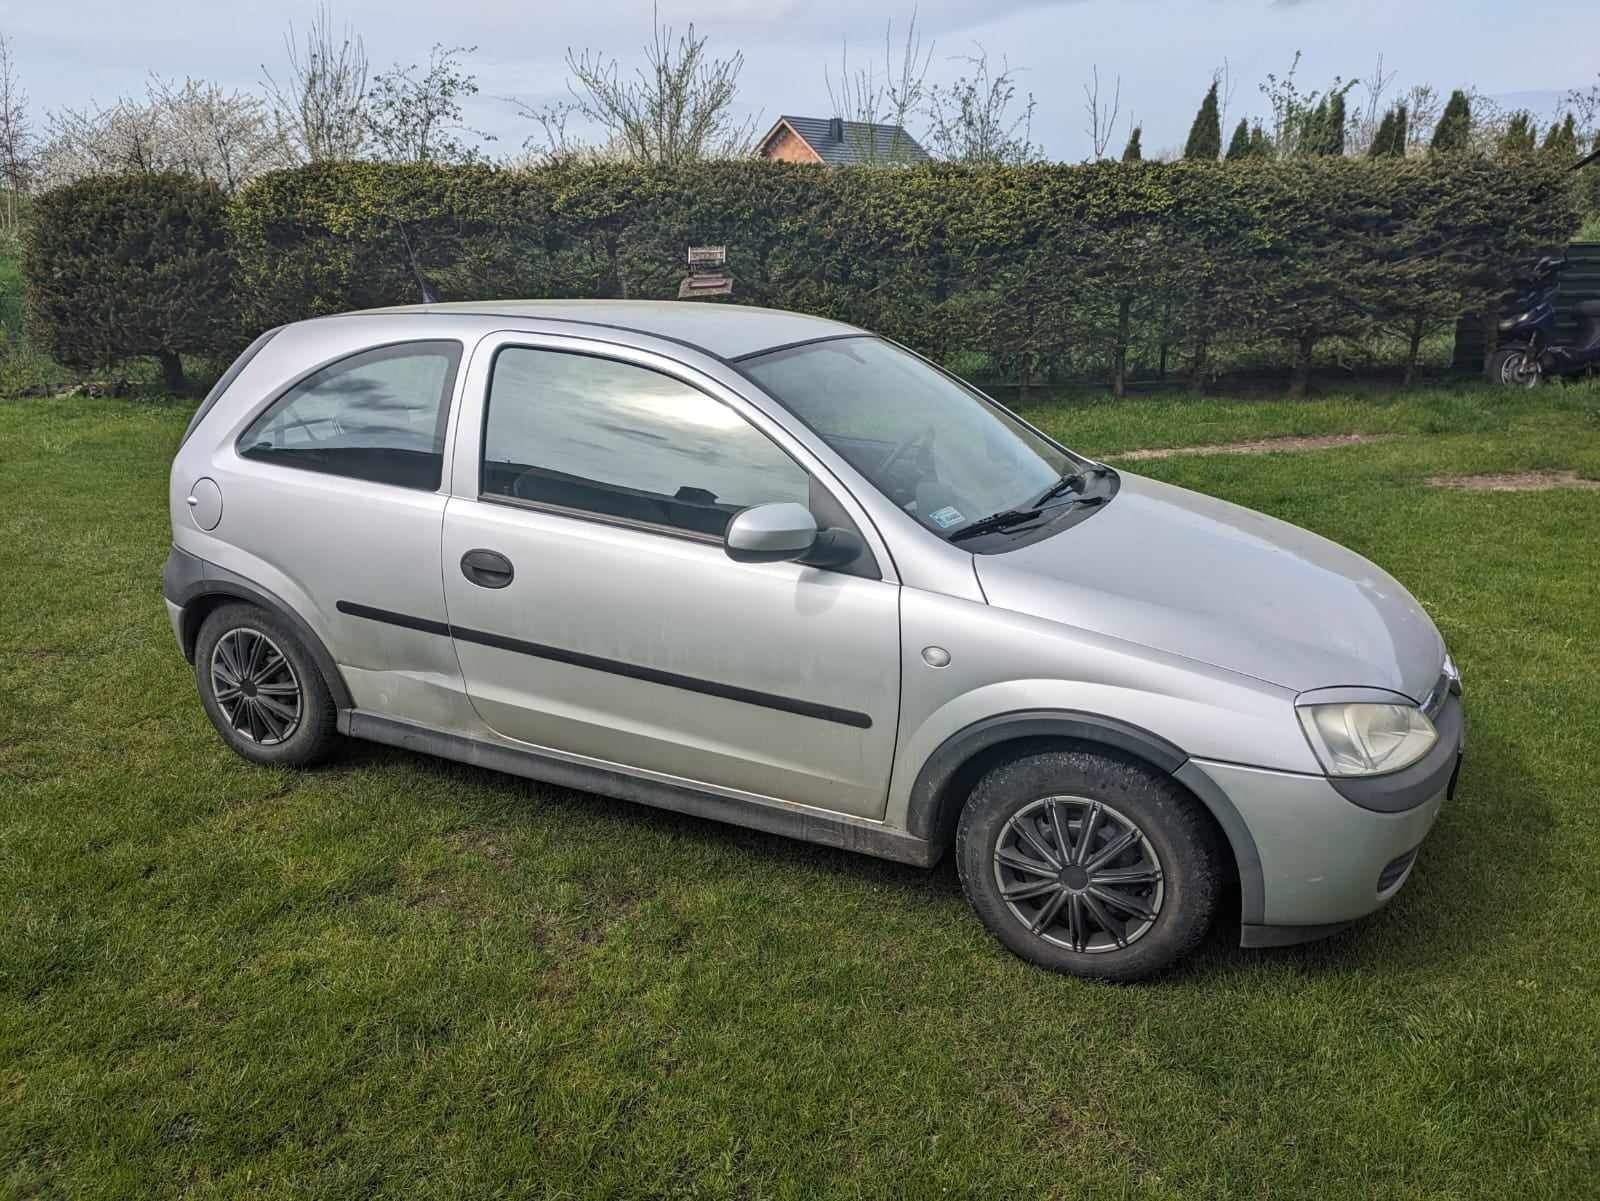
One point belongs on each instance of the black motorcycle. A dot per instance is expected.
(1529, 348)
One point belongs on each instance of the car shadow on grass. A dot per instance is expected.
(1475, 881)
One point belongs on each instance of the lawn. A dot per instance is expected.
(399, 977)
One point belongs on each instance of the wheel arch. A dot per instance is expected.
(200, 597)
(951, 771)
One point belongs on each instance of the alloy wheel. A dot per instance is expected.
(255, 686)
(1079, 874)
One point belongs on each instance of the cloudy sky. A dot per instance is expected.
(69, 52)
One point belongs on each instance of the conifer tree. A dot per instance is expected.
(1239, 144)
(1453, 134)
(1205, 135)
(1562, 140)
(1333, 127)
(1383, 141)
(1520, 136)
(1133, 151)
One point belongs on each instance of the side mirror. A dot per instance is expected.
(774, 533)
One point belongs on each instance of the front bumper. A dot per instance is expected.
(1321, 856)
(1325, 853)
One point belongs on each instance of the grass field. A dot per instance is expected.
(398, 977)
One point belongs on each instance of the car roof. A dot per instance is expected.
(728, 331)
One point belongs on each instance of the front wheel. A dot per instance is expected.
(1090, 865)
(1515, 367)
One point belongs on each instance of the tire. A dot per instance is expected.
(1514, 368)
(1171, 870)
(282, 714)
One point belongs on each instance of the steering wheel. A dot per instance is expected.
(901, 449)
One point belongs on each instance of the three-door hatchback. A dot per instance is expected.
(775, 570)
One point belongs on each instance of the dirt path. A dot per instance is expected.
(1514, 481)
(1259, 446)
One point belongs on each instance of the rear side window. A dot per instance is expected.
(379, 415)
(228, 376)
(624, 442)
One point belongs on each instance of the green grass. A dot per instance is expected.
(399, 977)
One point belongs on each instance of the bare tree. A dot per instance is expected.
(321, 104)
(553, 143)
(195, 127)
(1364, 124)
(1102, 118)
(863, 99)
(1584, 104)
(1490, 121)
(972, 121)
(16, 138)
(1422, 105)
(418, 119)
(1223, 77)
(677, 108)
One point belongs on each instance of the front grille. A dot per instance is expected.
(1395, 870)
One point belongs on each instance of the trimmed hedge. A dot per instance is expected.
(121, 266)
(1040, 269)
(1075, 267)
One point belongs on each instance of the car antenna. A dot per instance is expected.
(428, 295)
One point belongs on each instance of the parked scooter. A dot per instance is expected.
(1529, 349)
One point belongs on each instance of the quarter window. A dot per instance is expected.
(378, 416)
(625, 442)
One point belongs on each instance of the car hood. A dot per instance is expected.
(1194, 576)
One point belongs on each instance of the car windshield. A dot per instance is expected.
(935, 448)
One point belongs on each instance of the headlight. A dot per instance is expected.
(1363, 739)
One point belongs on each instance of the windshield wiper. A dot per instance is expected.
(994, 523)
(1062, 486)
(1011, 518)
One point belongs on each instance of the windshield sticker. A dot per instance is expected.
(946, 517)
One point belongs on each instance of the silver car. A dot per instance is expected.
(775, 570)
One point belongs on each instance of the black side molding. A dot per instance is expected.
(808, 825)
(616, 667)
(927, 815)
(924, 817)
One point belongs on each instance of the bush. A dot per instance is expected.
(122, 266)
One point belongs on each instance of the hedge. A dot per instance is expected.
(120, 266)
(1035, 267)
(1040, 269)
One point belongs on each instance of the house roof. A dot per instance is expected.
(845, 143)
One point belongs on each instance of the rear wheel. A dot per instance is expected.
(1515, 367)
(261, 688)
(1088, 864)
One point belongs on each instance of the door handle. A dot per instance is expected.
(487, 568)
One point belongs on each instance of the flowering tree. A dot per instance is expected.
(194, 127)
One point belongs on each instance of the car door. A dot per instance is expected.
(596, 613)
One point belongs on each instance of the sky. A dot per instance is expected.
(71, 52)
